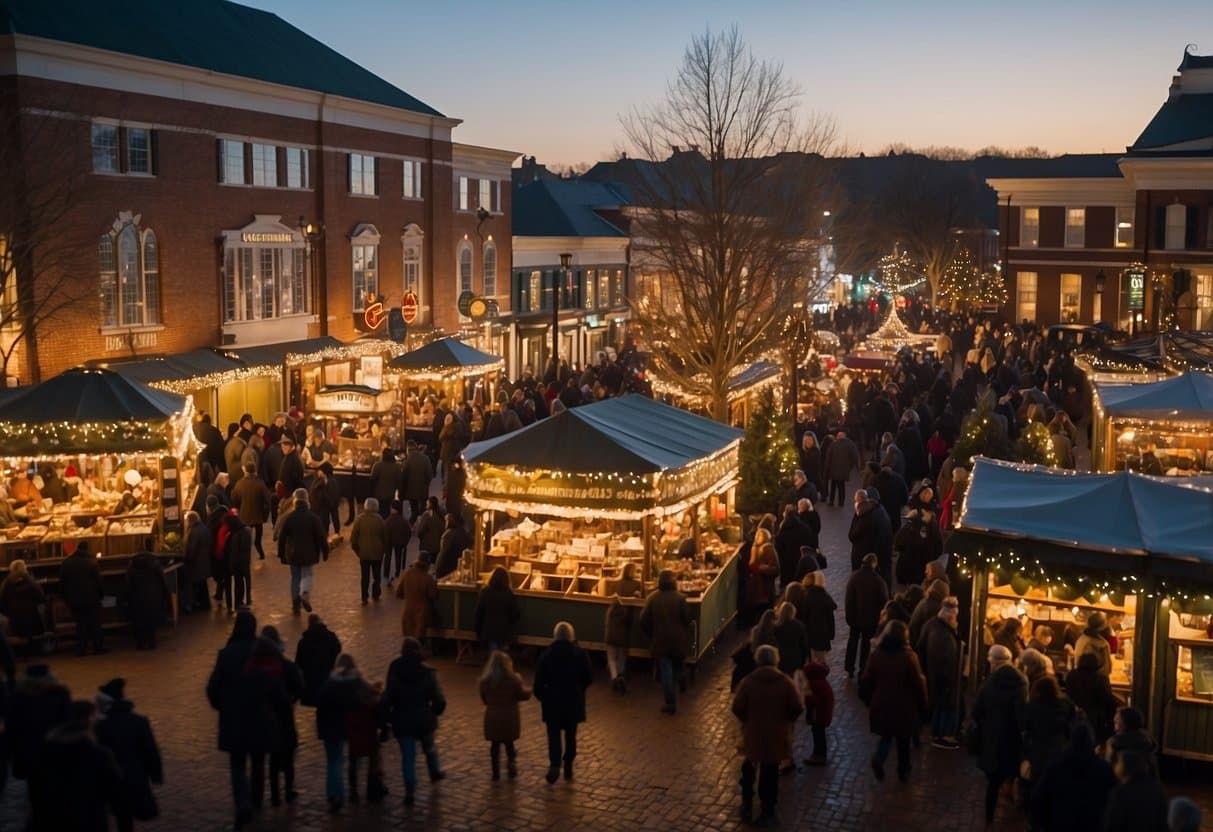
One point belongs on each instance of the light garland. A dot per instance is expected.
(963, 283)
(443, 373)
(670, 387)
(893, 334)
(347, 352)
(184, 386)
(899, 273)
(63, 440)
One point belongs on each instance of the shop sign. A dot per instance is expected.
(465, 303)
(266, 237)
(349, 401)
(130, 341)
(568, 490)
(1136, 289)
(409, 307)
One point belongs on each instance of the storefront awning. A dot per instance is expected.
(1187, 396)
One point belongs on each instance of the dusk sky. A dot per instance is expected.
(550, 78)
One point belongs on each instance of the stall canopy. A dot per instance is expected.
(1174, 352)
(192, 370)
(445, 358)
(1187, 396)
(629, 453)
(751, 378)
(1122, 513)
(287, 352)
(89, 409)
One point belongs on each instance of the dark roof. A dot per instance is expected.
(178, 367)
(445, 352)
(89, 394)
(628, 434)
(213, 35)
(1191, 61)
(1181, 118)
(275, 354)
(751, 375)
(565, 208)
(1068, 165)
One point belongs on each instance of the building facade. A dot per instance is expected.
(209, 175)
(1124, 238)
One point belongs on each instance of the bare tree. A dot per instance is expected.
(730, 222)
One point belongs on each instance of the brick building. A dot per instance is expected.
(203, 174)
(1125, 238)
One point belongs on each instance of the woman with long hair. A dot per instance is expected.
(501, 689)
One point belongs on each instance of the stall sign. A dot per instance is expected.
(352, 401)
(409, 307)
(567, 490)
(1136, 292)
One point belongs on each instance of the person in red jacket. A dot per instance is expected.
(818, 708)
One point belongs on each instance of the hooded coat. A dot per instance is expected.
(73, 782)
(502, 721)
(819, 617)
(1090, 690)
(315, 656)
(129, 736)
(999, 712)
(820, 696)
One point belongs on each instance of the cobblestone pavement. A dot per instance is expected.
(637, 768)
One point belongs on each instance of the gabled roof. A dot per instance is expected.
(89, 395)
(445, 353)
(179, 367)
(1187, 396)
(1182, 118)
(213, 35)
(565, 208)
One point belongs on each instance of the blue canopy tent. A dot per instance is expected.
(1174, 416)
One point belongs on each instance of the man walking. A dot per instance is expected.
(664, 620)
(767, 703)
(842, 457)
(302, 544)
(368, 539)
(867, 593)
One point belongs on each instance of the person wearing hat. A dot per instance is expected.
(324, 497)
(866, 595)
(252, 498)
(1095, 642)
(302, 544)
(998, 720)
(290, 472)
(129, 737)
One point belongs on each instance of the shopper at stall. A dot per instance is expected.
(129, 737)
(233, 451)
(1048, 719)
(368, 539)
(841, 458)
(1093, 641)
(665, 619)
(148, 598)
(866, 595)
(290, 472)
(429, 529)
(939, 650)
(1139, 802)
(454, 542)
(561, 678)
(762, 570)
(198, 549)
(74, 780)
(1010, 635)
(219, 489)
(413, 701)
(497, 612)
(1130, 737)
(419, 591)
(237, 543)
(399, 533)
(252, 499)
(895, 691)
(767, 703)
(998, 720)
(928, 607)
(501, 689)
(81, 588)
(302, 544)
(917, 543)
(1089, 689)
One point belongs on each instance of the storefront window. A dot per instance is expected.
(591, 277)
(1025, 296)
(264, 282)
(1192, 634)
(617, 289)
(604, 288)
(535, 292)
(1071, 298)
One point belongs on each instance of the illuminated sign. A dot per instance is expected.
(266, 237)
(1135, 289)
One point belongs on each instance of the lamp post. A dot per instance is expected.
(1100, 280)
(312, 234)
(566, 261)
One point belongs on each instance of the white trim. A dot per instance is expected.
(365, 234)
(1064, 192)
(1168, 174)
(1121, 260)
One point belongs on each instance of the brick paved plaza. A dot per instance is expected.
(637, 768)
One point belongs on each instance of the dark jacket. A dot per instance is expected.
(819, 617)
(21, 600)
(399, 530)
(386, 476)
(147, 594)
(867, 593)
(998, 713)
(791, 536)
(302, 541)
(275, 684)
(324, 498)
(80, 581)
(561, 678)
(129, 736)
(252, 499)
(665, 619)
(917, 543)
(1072, 793)
(198, 547)
(1138, 805)
(502, 720)
(428, 528)
(315, 656)
(1046, 733)
(72, 783)
(413, 698)
(939, 651)
(338, 696)
(841, 458)
(767, 703)
(926, 609)
(454, 541)
(618, 624)
(368, 536)
(1090, 690)
(894, 689)
(239, 547)
(497, 614)
(811, 520)
(39, 703)
(416, 477)
(290, 473)
(811, 463)
(229, 692)
(893, 493)
(793, 645)
(871, 532)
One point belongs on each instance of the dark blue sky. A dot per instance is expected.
(550, 78)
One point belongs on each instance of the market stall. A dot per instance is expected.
(361, 422)
(446, 370)
(745, 388)
(1052, 548)
(568, 503)
(1163, 427)
(91, 456)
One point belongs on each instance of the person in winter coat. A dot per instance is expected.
(290, 472)
(928, 607)
(939, 650)
(497, 612)
(302, 544)
(841, 458)
(429, 528)
(811, 461)
(81, 589)
(819, 708)
(618, 628)
(792, 535)
(74, 779)
(362, 729)
(790, 639)
(1131, 737)
(870, 532)
(866, 595)
(893, 493)
(767, 703)
(762, 571)
(198, 548)
(324, 498)
(386, 477)
(501, 689)
(315, 656)
(455, 541)
(281, 684)
(1093, 641)
(1073, 790)
(998, 717)
(415, 481)
(399, 533)
(239, 702)
(895, 691)
(1090, 690)
(238, 555)
(665, 619)
(343, 692)
(811, 520)
(22, 602)
(413, 701)
(1139, 803)
(561, 677)
(148, 599)
(1048, 719)
(129, 737)
(233, 451)
(818, 616)
(368, 539)
(455, 486)
(419, 591)
(253, 500)
(916, 544)
(39, 703)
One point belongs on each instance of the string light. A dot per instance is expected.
(964, 284)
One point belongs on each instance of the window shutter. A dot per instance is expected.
(153, 150)
(1190, 227)
(495, 196)
(219, 160)
(1160, 226)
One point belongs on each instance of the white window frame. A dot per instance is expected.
(1202, 300)
(488, 275)
(413, 264)
(1026, 288)
(411, 187)
(467, 276)
(1076, 227)
(364, 264)
(146, 168)
(1176, 229)
(229, 156)
(120, 309)
(298, 170)
(1029, 231)
(1123, 236)
(265, 165)
(362, 179)
(249, 286)
(464, 196)
(484, 196)
(109, 151)
(1075, 281)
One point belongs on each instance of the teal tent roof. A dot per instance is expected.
(89, 394)
(178, 367)
(445, 352)
(213, 35)
(630, 434)
(1187, 396)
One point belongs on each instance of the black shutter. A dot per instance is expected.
(1190, 227)
(1160, 226)
(219, 160)
(153, 149)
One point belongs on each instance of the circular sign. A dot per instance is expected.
(465, 300)
(409, 307)
(477, 309)
(374, 315)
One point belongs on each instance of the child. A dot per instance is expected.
(618, 623)
(501, 689)
(818, 708)
(399, 533)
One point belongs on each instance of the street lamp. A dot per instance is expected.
(566, 260)
(313, 234)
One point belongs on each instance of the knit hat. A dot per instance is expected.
(115, 689)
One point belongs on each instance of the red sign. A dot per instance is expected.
(374, 315)
(408, 307)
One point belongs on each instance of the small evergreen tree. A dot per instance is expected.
(982, 433)
(1035, 445)
(767, 458)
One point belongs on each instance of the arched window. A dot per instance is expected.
(413, 241)
(465, 268)
(490, 270)
(129, 267)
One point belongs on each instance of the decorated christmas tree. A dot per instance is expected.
(965, 286)
(982, 433)
(767, 458)
(1035, 445)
